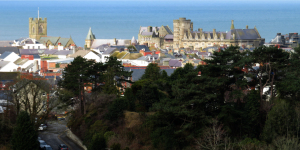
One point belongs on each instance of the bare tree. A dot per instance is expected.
(32, 95)
(214, 138)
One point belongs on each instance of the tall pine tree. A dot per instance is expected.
(24, 135)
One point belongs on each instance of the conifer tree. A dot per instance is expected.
(24, 134)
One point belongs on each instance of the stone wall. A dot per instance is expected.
(75, 139)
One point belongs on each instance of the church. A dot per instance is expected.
(186, 37)
(38, 32)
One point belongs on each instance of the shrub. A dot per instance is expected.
(116, 146)
(98, 142)
(115, 109)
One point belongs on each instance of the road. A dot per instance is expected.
(55, 135)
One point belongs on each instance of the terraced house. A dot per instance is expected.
(186, 37)
(156, 36)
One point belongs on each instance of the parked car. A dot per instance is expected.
(63, 147)
(41, 128)
(45, 126)
(39, 138)
(47, 147)
(42, 144)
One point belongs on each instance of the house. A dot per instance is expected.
(29, 43)
(63, 53)
(9, 56)
(87, 54)
(7, 66)
(108, 53)
(57, 42)
(175, 63)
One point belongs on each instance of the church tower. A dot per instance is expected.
(89, 39)
(37, 27)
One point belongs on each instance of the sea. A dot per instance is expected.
(122, 19)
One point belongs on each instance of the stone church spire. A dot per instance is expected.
(89, 39)
(90, 35)
(232, 25)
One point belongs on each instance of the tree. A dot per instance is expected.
(280, 121)
(271, 62)
(76, 76)
(114, 77)
(31, 95)
(24, 135)
(152, 72)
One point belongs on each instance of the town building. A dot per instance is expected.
(159, 37)
(186, 37)
(290, 40)
(37, 28)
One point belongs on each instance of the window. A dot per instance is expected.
(32, 29)
(41, 28)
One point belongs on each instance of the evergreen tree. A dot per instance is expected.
(152, 72)
(24, 134)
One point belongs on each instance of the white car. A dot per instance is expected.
(42, 127)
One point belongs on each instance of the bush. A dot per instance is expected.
(108, 134)
(115, 110)
(116, 146)
(98, 142)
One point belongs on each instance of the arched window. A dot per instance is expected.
(41, 28)
(32, 29)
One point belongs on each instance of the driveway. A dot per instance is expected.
(55, 135)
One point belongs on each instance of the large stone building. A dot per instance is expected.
(186, 37)
(161, 37)
(37, 28)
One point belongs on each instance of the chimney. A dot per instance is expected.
(247, 26)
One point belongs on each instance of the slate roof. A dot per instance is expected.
(63, 41)
(50, 52)
(140, 47)
(109, 50)
(243, 34)
(119, 42)
(65, 52)
(168, 29)
(121, 48)
(6, 43)
(175, 63)
(3, 63)
(53, 40)
(31, 51)
(102, 47)
(169, 36)
(5, 54)
(35, 56)
(9, 49)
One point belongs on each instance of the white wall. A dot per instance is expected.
(34, 46)
(62, 56)
(12, 57)
(93, 56)
(10, 67)
(135, 62)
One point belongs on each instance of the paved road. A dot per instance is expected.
(55, 135)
